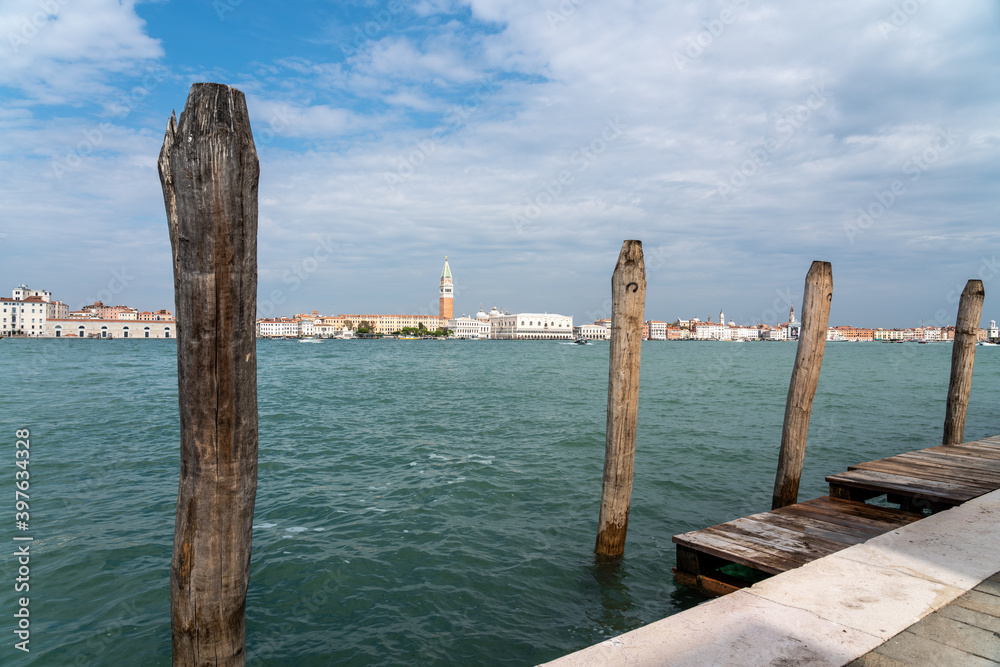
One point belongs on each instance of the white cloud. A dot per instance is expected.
(57, 50)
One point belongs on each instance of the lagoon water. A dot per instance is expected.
(427, 502)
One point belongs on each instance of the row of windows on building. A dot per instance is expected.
(126, 332)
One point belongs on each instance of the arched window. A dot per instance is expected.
(124, 332)
(58, 331)
(145, 331)
(166, 332)
(82, 331)
(104, 332)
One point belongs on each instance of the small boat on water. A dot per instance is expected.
(310, 339)
(986, 343)
(582, 341)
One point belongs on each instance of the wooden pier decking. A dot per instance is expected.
(932, 479)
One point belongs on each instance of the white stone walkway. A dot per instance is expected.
(831, 611)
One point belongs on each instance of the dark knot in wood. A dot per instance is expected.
(634, 286)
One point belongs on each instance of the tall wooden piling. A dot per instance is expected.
(963, 354)
(209, 172)
(628, 297)
(816, 300)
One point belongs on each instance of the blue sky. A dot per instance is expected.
(739, 140)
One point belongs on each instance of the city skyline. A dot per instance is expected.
(739, 141)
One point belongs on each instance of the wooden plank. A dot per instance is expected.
(903, 484)
(924, 470)
(970, 456)
(988, 468)
(791, 548)
(988, 448)
(861, 511)
(725, 547)
(816, 528)
(866, 528)
(957, 468)
(787, 533)
(711, 585)
(904, 476)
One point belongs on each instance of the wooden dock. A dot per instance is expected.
(924, 481)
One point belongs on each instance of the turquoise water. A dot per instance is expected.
(427, 502)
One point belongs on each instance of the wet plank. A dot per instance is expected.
(904, 485)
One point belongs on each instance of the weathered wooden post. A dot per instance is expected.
(209, 171)
(963, 354)
(628, 296)
(816, 300)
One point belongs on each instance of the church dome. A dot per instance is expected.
(494, 312)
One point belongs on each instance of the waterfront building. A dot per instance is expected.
(606, 323)
(740, 332)
(863, 335)
(710, 330)
(446, 293)
(277, 327)
(678, 333)
(531, 326)
(472, 328)
(994, 332)
(27, 311)
(595, 331)
(97, 328)
(655, 330)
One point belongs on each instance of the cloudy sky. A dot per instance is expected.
(738, 139)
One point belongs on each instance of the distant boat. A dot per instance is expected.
(836, 337)
(986, 343)
(310, 339)
(582, 341)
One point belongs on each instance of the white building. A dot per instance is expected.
(595, 331)
(777, 333)
(657, 329)
(279, 327)
(740, 332)
(97, 328)
(710, 331)
(27, 311)
(477, 328)
(531, 326)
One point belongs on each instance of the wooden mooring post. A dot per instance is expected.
(963, 354)
(209, 172)
(816, 300)
(628, 298)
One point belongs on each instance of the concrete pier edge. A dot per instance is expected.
(830, 611)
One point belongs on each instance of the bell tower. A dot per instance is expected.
(446, 301)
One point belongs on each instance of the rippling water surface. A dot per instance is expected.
(428, 502)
